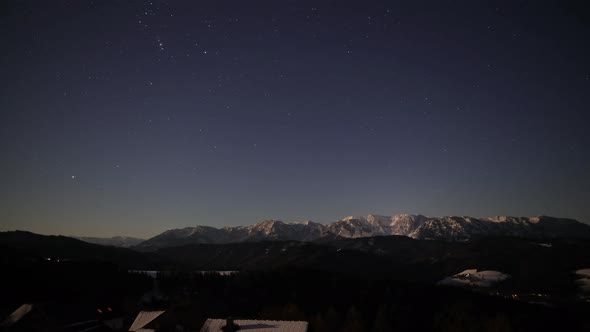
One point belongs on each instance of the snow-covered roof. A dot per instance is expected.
(143, 319)
(584, 282)
(17, 315)
(584, 273)
(215, 325)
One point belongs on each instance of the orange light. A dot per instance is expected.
(109, 309)
(99, 311)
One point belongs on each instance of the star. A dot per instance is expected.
(323, 88)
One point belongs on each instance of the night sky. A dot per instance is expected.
(133, 117)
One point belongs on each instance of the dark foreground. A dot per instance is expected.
(356, 297)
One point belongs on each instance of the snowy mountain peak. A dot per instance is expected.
(414, 226)
(267, 226)
(379, 220)
(304, 222)
(349, 218)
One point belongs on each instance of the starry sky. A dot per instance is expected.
(133, 117)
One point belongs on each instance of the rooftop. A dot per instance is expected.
(212, 325)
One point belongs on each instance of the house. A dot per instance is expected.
(110, 318)
(27, 317)
(226, 325)
(56, 316)
(17, 315)
(84, 326)
(86, 318)
(146, 321)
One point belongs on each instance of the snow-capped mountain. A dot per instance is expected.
(115, 241)
(414, 226)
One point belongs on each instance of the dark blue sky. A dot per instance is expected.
(133, 117)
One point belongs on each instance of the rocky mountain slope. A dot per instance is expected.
(414, 226)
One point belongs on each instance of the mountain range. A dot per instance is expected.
(115, 241)
(451, 228)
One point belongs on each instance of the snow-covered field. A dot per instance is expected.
(584, 282)
(474, 278)
(222, 273)
(151, 274)
(154, 274)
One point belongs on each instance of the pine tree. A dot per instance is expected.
(383, 319)
(333, 319)
(292, 312)
(353, 321)
(319, 324)
(500, 323)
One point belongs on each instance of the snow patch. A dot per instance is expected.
(584, 282)
(474, 278)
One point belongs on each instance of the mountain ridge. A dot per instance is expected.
(450, 228)
(115, 241)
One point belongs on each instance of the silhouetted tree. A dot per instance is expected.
(291, 312)
(333, 319)
(318, 323)
(383, 319)
(353, 321)
(500, 323)
(456, 317)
